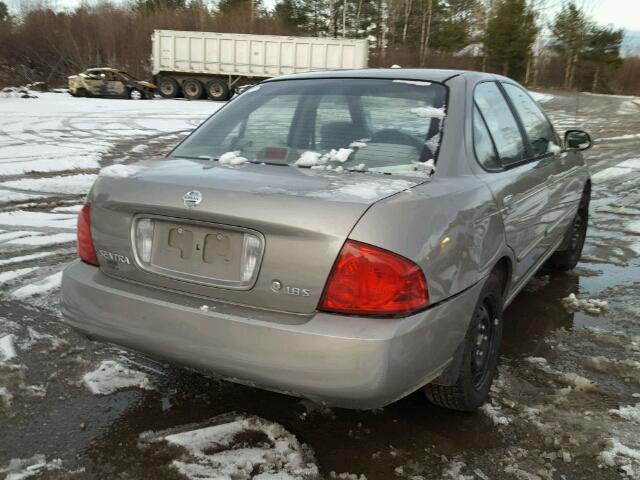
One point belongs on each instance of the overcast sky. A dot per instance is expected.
(620, 13)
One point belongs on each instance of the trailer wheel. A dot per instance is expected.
(168, 87)
(192, 89)
(218, 90)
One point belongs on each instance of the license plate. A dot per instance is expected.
(201, 253)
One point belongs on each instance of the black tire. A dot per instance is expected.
(218, 90)
(168, 87)
(568, 258)
(80, 92)
(192, 89)
(480, 355)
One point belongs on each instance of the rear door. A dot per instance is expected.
(93, 81)
(519, 177)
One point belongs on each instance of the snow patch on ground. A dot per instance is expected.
(38, 288)
(541, 97)
(619, 455)
(621, 169)
(630, 413)
(26, 258)
(42, 240)
(22, 218)
(6, 277)
(238, 447)
(20, 469)
(9, 196)
(572, 379)
(591, 306)
(44, 165)
(8, 236)
(628, 136)
(494, 414)
(72, 184)
(139, 148)
(111, 376)
(453, 471)
(7, 348)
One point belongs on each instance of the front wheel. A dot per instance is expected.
(568, 258)
(480, 354)
(135, 94)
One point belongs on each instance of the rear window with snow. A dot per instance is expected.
(354, 124)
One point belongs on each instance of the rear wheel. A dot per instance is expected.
(567, 259)
(218, 90)
(480, 354)
(168, 87)
(192, 89)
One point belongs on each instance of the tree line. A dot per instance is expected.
(517, 38)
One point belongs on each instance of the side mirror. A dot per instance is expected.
(577, 139)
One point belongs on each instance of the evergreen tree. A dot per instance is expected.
(602, 56)
(154, 6)
(591, 52)
(4, 12)
(570, 35)
(294, 15)
(510, 34)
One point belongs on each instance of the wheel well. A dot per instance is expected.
(503, 268)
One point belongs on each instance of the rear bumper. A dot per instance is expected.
(337, 360)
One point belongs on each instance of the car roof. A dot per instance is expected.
(420, 74)
(103, 69)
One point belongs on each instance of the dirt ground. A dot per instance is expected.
(566, 404)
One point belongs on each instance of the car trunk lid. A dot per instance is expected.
(258, 235)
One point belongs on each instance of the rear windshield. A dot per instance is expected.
(354, 124)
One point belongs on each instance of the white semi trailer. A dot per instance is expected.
(208, 64)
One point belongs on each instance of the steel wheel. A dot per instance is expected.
(135, 94)
(484, 344)
(218, 90)
(192, 89)
(168, 87)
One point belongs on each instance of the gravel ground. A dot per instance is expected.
(566, 404)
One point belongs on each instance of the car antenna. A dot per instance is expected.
(577, 103)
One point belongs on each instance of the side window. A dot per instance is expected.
(539, 131)
(482, 143)
(500, 122)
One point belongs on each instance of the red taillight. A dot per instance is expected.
(86, 250)
(368, 280)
